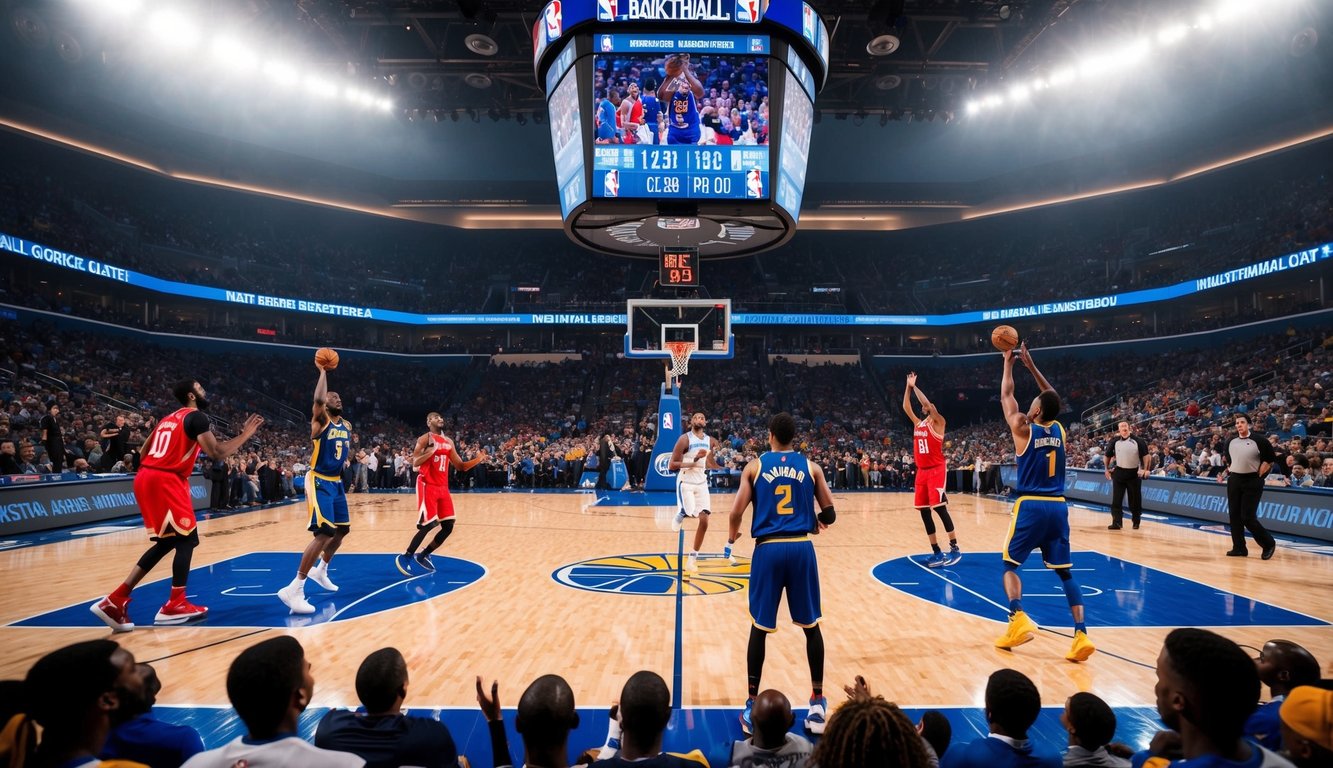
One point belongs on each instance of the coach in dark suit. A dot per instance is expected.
(1129, 464)
(1248, 458)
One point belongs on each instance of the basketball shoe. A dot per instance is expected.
(955, 554)
(1021, 630)
(747, 724)
(936, 560)
(678, 520)
(293, 596)
(1082, 648)
(180, 611)
(423, 560)
(404, 564)
(320, 575)
(815, 717)
(113, 614)
(726, 552)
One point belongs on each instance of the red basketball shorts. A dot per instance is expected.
(433, 503)
(164, 502)
(930, 486)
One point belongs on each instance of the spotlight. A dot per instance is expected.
(230, 55)
(973, 108)
(521, 118)
(385, 105)
(859, 118)
(1172, 34)
(476, 118)
(320, 87)
(538, 118)
(434, 116)
(453, 115)
(282, 74)
(883, 119)
(172, 30)
(1019, 92)
(494, 114)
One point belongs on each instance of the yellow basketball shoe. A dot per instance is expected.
(1021, 630)
(1082, 649)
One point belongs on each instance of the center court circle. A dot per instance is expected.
(654, 574)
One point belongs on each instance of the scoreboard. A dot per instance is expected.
(680, 123)
(678, 267)
(663, 171)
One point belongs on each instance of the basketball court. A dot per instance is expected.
(585, 585)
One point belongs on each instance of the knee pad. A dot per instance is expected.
(187, 542)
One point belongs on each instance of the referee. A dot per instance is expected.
(1130, 463)
(1248, 460)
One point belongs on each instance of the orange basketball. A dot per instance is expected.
(674, 66)
(1004, 337)
(326, 358)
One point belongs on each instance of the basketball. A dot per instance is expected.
(1004, 337)
(326, 358)
(674, 66)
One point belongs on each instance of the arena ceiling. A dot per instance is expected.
(465, 141)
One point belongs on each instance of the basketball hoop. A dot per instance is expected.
(680, 356)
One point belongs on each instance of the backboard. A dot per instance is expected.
(651, 323)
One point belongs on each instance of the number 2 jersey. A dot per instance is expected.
(332, 446)
(784, 496)
(1041, 465)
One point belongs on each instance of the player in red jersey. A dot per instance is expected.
(162, 489)
(931, 473)
(432, 456)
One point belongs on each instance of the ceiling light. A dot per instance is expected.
(282, 74)
(172, 30)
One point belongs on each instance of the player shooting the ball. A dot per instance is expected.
(681, 91)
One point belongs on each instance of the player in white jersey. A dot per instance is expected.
(691, 459)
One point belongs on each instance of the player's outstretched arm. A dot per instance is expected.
(318, 417)
(907, 399)
(744, 495)
(221, 450)
(1026, 357)
(464, 466)
(1015, 418)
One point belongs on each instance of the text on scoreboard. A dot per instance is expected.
(681, 171)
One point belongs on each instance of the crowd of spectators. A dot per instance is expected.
(94, 701)
(1156, 237)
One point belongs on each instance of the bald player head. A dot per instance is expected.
(1284, 665)
(772, 719)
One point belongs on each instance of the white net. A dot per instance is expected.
(680, 357)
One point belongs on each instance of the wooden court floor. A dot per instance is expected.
(518, 622)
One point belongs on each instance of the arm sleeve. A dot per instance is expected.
(196, 424)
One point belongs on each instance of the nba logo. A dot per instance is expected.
(666, 420)
(756, 45)
(808, 22)
(754, 183)
(606, 10)
(747, 11)
(606, 43)
(554, 20)
(611, 184)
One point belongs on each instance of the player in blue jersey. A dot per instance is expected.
(784, 486)
(680, 94)
(1041, 516)
(325, 495)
